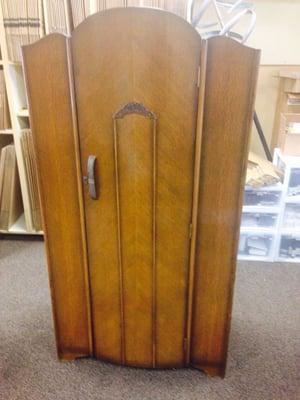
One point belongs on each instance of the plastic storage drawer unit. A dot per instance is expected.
(259, 220)
(261, 198)
(256, 246)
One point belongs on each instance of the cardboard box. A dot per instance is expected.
(289, 137)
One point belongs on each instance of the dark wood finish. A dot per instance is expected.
(228, 112)
(168, 118)
(47, 81)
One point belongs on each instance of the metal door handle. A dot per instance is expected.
(90, 178)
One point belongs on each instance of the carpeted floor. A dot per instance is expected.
(264, 345)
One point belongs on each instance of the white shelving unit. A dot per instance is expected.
(16, 94)
(260, 221)
(288, 236)
(270, 226)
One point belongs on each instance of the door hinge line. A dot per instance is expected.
(198, 77)
(185, 343)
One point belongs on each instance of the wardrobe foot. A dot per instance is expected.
(212, 370)
(70, 356)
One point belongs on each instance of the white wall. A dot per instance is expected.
(277, 31)
(277, 34)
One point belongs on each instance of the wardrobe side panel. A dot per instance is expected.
(228, 110)
(47, 81)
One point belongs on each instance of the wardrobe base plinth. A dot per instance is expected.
(70, 356)
(209, 370)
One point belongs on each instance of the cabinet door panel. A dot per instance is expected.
(113, 69)
(135, 156)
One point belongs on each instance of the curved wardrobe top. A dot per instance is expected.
(171, 21)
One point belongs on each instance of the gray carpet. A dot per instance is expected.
(263, 352)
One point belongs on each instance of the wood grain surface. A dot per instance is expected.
(135, 172)
(228, 111)
(146, 270)
(47, 81)
(114, 67)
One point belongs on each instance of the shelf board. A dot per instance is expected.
(6, 131)
(19, 228)
(261, 209)
(251, 257)
(258, 230)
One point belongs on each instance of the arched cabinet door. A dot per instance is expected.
(117, 112)
(135, 77)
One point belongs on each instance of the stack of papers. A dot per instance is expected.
(31, 175)
(56, 16)
(22, 25)
(80, 10)
(178, 7)
(4, 110)
(11, 206)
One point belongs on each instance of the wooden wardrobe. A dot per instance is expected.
(141, 132)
